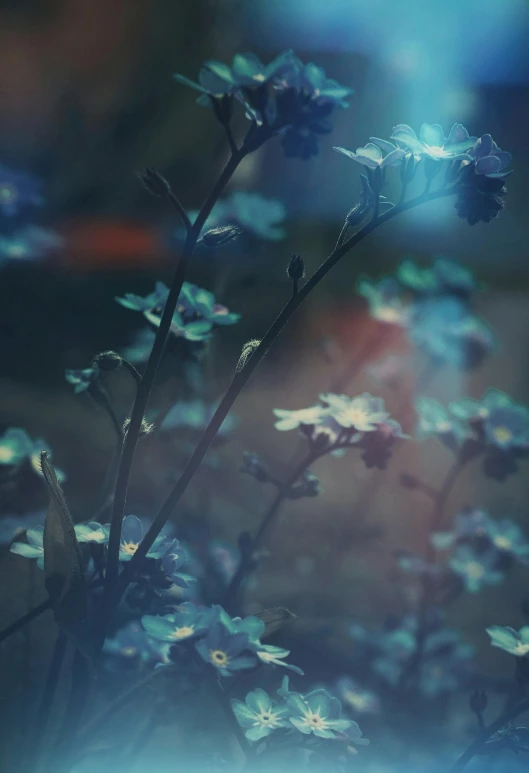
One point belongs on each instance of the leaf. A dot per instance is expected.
(63, 567)
(274, 619)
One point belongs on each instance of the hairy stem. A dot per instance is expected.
(242, 376)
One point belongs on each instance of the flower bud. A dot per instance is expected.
(107, 361)
(296, 268)
(154, 182)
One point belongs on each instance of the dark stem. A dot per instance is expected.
(242, 376)
(246, 562)
(24, 620)
(48, 695)
(476, 747)
(136, 375)
(175, 201)
(101, 395)
(146, 383)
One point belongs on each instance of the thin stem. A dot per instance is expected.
(508, 715)
(24, 620)
(147, 380)
(243, 375)
(269, 516)
(103, 399)
(136, 375)
(175, 201)
(48, 695)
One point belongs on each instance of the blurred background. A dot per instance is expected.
(86, 100)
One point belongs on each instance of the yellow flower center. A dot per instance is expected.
(218, 657)
(475, 570)
(522, 649)
(502, 434)
(266, 718)
(443, 426)
(6, 454)
(183, 632)
(389, 314)
(502, 543)
(315, 720)
(129, 547)
(355, 700)
(128, 651)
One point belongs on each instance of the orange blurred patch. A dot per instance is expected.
(101, 244)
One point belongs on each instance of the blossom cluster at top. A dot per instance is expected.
(196, 313)
(496, 426)
(286, 97)
(339, 422)
(433, 306)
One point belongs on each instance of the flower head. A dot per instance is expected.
(132, 531)
(154, 300)
(33, 548)
(475, 568)
(254, 213)
(434, 420)
(304, 417)
(187, 622)
(359, 699)
(132, 646)
(363, 413)
(431, 142)
(372, 156)
(490, 160)
(513, 642)
(82, 379)
(259, 714)
(91, 532)
(15, 446)
(28, 243)
(225, 650)
(385, 301)
(317, 713)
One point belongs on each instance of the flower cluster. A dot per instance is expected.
(316, 714)
(495, 426)
(339, 422)
(196, 313)
(433, 306)
(225, 644)
(18, 448)
(285, 97)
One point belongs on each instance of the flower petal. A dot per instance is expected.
(432, 135)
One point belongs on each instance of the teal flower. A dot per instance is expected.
(444, 277)
(82, 379)
(195, 415)
(132, 646)
(29, 243)
(91, 532)
(474, 568)
(372, 156)
(259, 714)
(15, 446)
(432, 144)
(304, 417)
(155, 300)
(224, 650)
(363, 413)
(434, 420)
(191, 331)
(132, 534)
(359, 699)
(513, 642)
(508, 538)
(203, 303)
(33, 548)
(269, 654)
(186, 623)
(385, 302)
(505, 423)
(12, 526)
(253, 213)
(317, 713)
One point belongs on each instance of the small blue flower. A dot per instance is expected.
(82, 379)
(489, 159)
(396, 648)
(196, 299)
(173, 559)
(431, 142)
(467, 525)
(444, 277)
(259, 714)
(29, 243)
(132, 534)
(155, 300)
(12, 526)
(505, 423)
(91, 532)
(434, 420)
(513, 642)
(225, 651)
(15, 446)
(254, 213)
(191, 331)
(317, 713)
(372, 156)
(385, 302)
(17, 190)
(132, 644)
(359, 699)
(33, 548)
(186, 623)
(508, 538)
(272, 655)
(304, 417)
(195, 415)
(363, 413)
(475, 568)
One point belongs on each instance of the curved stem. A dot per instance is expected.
(175, 201)
(508, 715)
(147, 380)
(136, 375)
(242, 376)
(269, 516)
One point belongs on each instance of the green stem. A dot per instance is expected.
(243, 375)
(477, 746)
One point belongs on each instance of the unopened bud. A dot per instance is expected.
(154, 182)
(108, 361)
(296, 268)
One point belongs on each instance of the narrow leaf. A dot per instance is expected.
(274, 619)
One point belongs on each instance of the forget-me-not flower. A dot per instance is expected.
(513, 642)
(33, 548)
(431, 142)
(259, 715)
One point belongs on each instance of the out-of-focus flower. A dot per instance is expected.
(389, 371)
(154, 300)
(481, 183)
(359, 699)
(15, 446)
(372, 156)
(434, 420)
(17, 191)
(91, 532)
(475, 568)
(186, 623)
(304, 417)
(140, 346)
(33, 548)
(133, 646)
(431, 142)
(191, 331)
(317, 713)
(82, 379)
(363, 413)
(203, 303)
(467, 525)
(444, 276)
(513, 642)
(225, 559)
(29, 243)
(195, 415)
(132, 534)
(254, 213)
(12, 526)
(259, 714)
(504, 423)
(385, 302)
(490, 160)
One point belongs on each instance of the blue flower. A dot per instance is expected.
(475, 568)
(304, 417)
(225, 559)
(132, 644)
(467, 525)
(259, 714)
(434, 420)
(12, 526)
(224, 650)
(513, 642)
(29, 243)
(82, 379)
(489, 159)
(254, 213)
(132, 534)
(91, 532)
(317, 713)
(186, 623)
(396, 648)
(385, 302)
(155, 300)
(431, 142)
(33, 548)
(444, 277)
(191, 331)
(203, 303)
(358, 699)
(272, 655)
(508, 538)
(15, 446)
(173, 559)
(139, 348)
(372, 156)
(505, 423)
(17, 190)
(363, 413)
